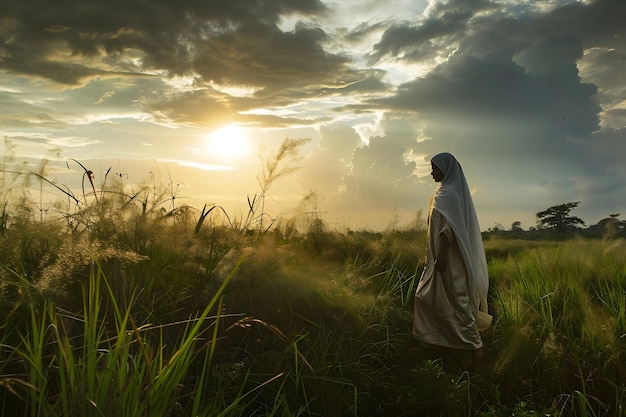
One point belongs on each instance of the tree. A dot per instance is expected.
(558, 218)
(611, 226)
(516, 226)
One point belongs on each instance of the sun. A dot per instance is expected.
(228, 143)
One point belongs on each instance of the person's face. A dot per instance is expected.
(436, 173)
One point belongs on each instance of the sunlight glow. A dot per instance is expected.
(204, 167)
(228, 143)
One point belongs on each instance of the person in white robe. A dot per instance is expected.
(451, 298)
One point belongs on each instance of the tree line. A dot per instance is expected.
(556, 222)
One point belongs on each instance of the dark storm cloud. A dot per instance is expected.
(467, 88)
(511, 96)
(77, 43)
(433, 37)
(235, 41)
(481, 27)
(265, 56)
(551, 53)
(524, 70)
(600, 23)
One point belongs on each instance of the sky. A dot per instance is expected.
(530, 97)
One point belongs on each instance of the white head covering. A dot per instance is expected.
(453, 200)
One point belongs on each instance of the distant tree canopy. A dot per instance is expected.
(611, 226)
(558, 218)
(556, 223)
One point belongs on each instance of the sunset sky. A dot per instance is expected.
(530, 96)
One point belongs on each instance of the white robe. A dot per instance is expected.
(443, 314)
(451, 308)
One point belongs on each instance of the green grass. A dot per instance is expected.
(101, 363)
(122, 306)
(559, 337)
(275, 329)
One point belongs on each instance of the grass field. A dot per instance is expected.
(146, 314)
(115, 306)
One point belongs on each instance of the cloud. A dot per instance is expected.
(511, 103)
(18, 114)
(601, 66)
(328, 164)
(168, 36)
(528, 95)
(470, 90)
(263, 55)
(203, 106)
(360, 180)
(434, 37)
(104, 49)
(527, 87)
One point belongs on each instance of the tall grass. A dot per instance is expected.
(559, 336)
(127, 303)
(101, 363)
(290, 331)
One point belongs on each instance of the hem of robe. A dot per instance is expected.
(443, 343)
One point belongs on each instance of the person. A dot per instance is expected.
(450, 307)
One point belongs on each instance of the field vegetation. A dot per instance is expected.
(118, 303)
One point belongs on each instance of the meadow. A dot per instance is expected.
(117, 304)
